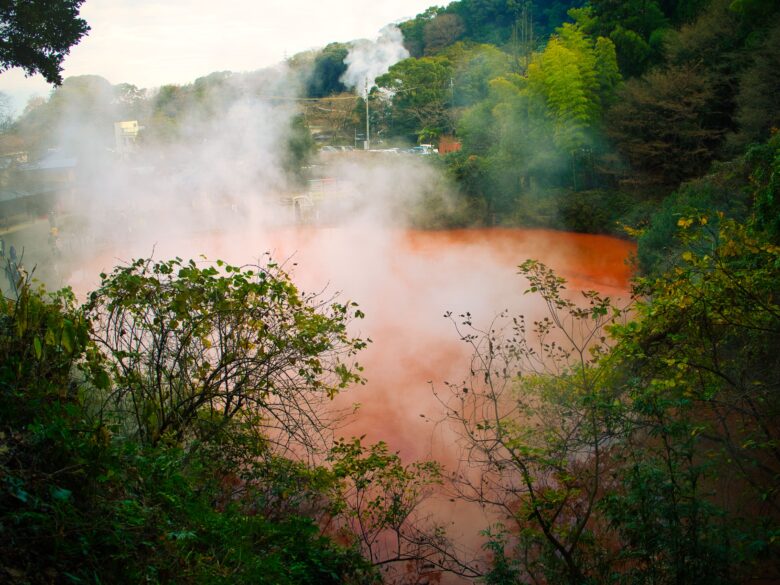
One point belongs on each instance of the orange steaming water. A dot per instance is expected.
(405, 281)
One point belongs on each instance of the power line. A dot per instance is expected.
(335, 98)
(302, 99)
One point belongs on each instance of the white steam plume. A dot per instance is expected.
(218, 187)
(367, 60)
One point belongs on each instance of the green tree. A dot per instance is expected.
(442, 31)
(191, 348)
(576, 77)
(475, 67)
(701, 381)
(381, 509)
(763, 160)
(80, 502)
(536, 420)
(648, 458)
(758, 113)
(661, 124)
(85, 497)
(420, 90)
(507, 150)
(414, 31)
(78, 117)
(325, 77)
(487, 21)
(300, 148)
(636, 27)
(38, 34)
(167, 104)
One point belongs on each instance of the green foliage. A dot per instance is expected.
(80, 501)
(503, 570)
(537, 417)
(494, 21)
(380, 509)
(702, 383)
(741, 189)
(523, 137)
(599, 211)
(475, 67)
(754, 11)
(236, 541)
(531, 135)
(191, 348)
(659, 247)
(325, 77)
(385, 490)
(38, 34)
(764, 161)
(757, 111)
(420, 96)
(635, 27)
(669, 528)
(414, 31)
(300, 148)
(730, 47)
(146, 515)
(575, 78)
(482, 21)
(650, 458)
(442, 31)
(42, 337)
(87, 102)
(661, 124)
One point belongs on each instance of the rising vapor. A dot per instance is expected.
(367, 60)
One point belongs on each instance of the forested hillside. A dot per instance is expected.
(178, 427)
(592, 120)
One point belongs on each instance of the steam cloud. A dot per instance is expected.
(221, 168)
(217, 187)
(367, 60)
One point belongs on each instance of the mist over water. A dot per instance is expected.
(405, 280)
(218, 189)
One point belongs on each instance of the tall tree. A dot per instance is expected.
(635, 26)
(758, 110)
(420, 95)
(536, 421)
(660, 124)
(442, 31)
(191, 348)
(575, 77)
(36, 35)
(325, 77)
(475, 67)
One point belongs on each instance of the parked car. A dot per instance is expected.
(423, 149)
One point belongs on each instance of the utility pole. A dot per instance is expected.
(368, 135)
(452, 105)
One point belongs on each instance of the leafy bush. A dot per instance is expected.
(83, 501)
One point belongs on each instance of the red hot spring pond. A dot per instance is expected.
(404, 281)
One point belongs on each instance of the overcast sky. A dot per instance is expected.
(153, 42)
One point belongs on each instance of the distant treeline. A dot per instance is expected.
(575, 115)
